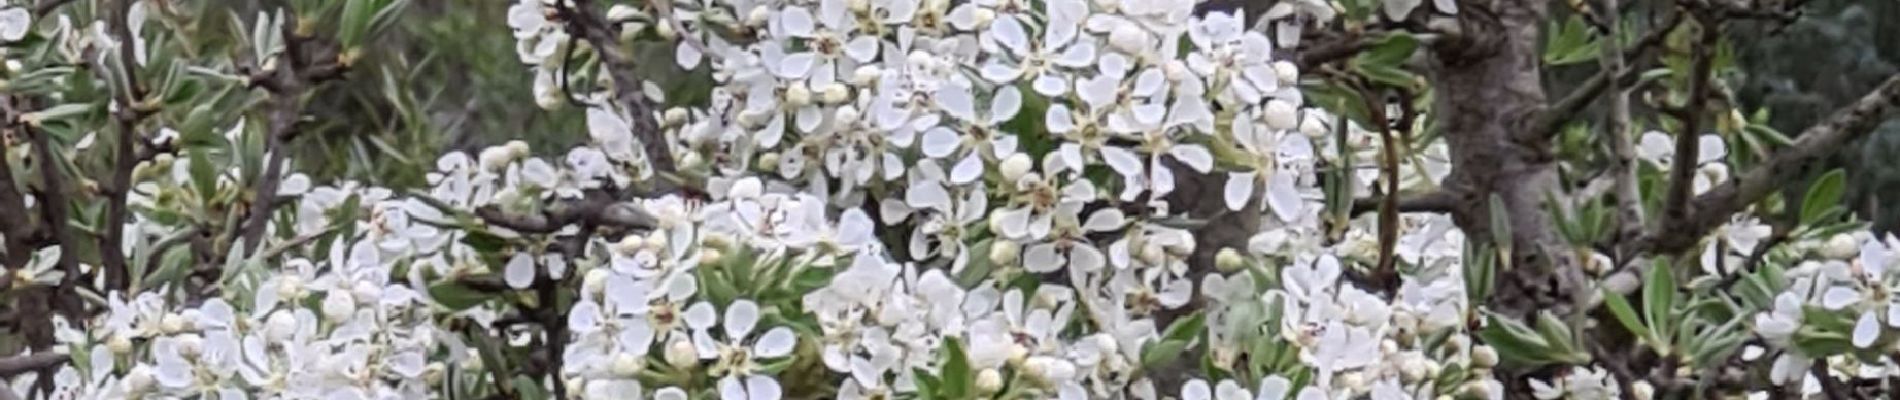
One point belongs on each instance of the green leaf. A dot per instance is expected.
(1823, 195)
(1391, 51)
(957, 378)
(457, 296)
(1158, 354)
(1620, 308)
(1186, 329)
(526, 389)
(204, 176)
(1501, 227)
(1659, 296)
(1570, 42)
(1516, 343)
(484, 242)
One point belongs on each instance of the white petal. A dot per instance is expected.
(700, 316)
(1196, 390)
(862, 48)
(520, 271)
(1283, 197)
(1839, 297)
(1042, 258)
(776, 343)
(760, 387)
(1086, 258)
(1104, 220)
(1006, 30)
(1194, 155)
(1866, 330)
(940, 142)
(687, 55)
(796, 65)
(731, 389)
(741, 317)
(795, 21)
(957, 102)
(1122, 160)
(967, 170)
(1710, 149)
(1239, 189)
(1008, 100)
(1059, 120)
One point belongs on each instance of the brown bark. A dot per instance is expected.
(1489, 91)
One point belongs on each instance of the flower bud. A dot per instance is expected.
(622, 13)
(675, 116)
(1642, 390)
(983, 17)
(594, 282)
(1313, 126)
(681, 354)
(119, 344)
(338, 306)
(139, 379)
(657, 241)
(996, 223)
(1175, 70)
(190, 345)
(1229, 260)
(1018, 354)
(1476, 390)
(797, 95)
(836, 93)
(280, 327)
(1004, 252)
(710, 256)
(865, 75)
(366, 292)
(1129, 38)
(1484, 356)
(434, 372)
(173, 323)
(848, 114)
(1015, 166)
(769, 160)
(1287, 72)
(630, 244)
(759, 16)
(665, 31)
(989, 381)
(549, 100)
(1841, 247)
(1280, 115)
(290, 288)
(625, 365)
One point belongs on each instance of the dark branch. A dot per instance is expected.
(1682, 173)
(585, 21)
(1439, 201)
(11, 366)
(131, 111)
(1713, 208)
(595, 208)
(1552, 119)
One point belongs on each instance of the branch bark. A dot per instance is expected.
(111, 248)
(595, 208)
(1682, 172)
(1616, 128)
(1713, 208)
(585, 21)
(12, 366)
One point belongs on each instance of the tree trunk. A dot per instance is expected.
(1489, 94)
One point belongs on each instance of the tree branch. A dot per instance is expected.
(17, 226)
(1438, 201)
(111, 248)
(1552, 119)
(584, 21)
(43, 7)
(1682, 172)
(12, 366)
(1616, 128)
(1714, 207)
(595, 208)
(296, 73)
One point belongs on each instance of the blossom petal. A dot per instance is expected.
(1239, 189)
(1866, 330)
(520, 271)
(741, 317)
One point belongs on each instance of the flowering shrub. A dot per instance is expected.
(892, 199)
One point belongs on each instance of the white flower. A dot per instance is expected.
(737, 352)
(14, 23)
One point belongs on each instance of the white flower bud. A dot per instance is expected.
(996, 223)
(1049, 370)
(989, 381)
(665, 31)
(859, 6)
(797, 95)
(366, 292)
(1841, 247)
(759, 16)
(594, 282)
(1015, 166)
(865, 75)
(1229, 260)
(1175, 70)
(280, 327)
(1642, 390)
(434, 372)
(754, 118)
(675, 116)
(1280, 115)
(680, 354)
(848, 114)
(173, 323)
(836, 93)
(517, 148)
(657, 241)
(1106, 343)
(983, 17)
(1313, 126)
(1353, 381)
(338, 306)
(119, 344)
(1484, 356)
(630, 244)
(139, 379)
(710, 256)
(1287, 72)
(1004, 252)
(1018, 354)
(769, 160)
(549, 100)
(626, 365)
(496, 158)
(715, 240)
(1476, 390)
(290, 288)
(1413, 369)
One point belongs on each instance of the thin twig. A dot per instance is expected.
(1682, 172)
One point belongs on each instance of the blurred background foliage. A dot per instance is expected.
(447, 79)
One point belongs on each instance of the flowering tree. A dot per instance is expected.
(940, 199)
